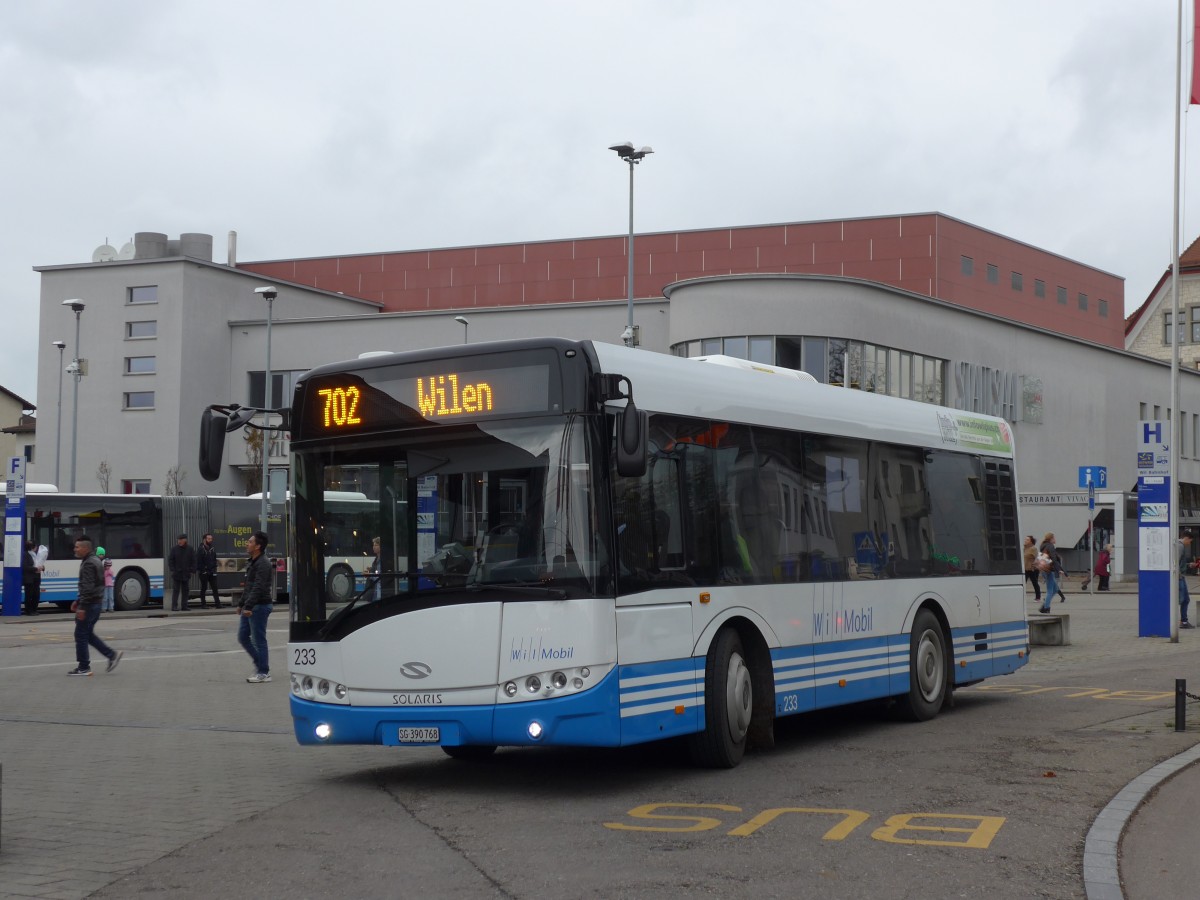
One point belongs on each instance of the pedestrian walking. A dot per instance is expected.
(1185, 551)
(1052, 572)
(206, 568)
(1102, 569)
(375, 569)
(31, 579)
(182, 563)
(1031, 573)
(110, 579)
(87, 610)
(255, 607)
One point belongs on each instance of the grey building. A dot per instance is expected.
(165, 335)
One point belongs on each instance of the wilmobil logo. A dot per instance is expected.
(534, 650)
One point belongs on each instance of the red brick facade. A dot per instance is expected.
(920, 253)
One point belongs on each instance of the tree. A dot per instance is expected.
(254, 454)
(103, 474)
(174, 482)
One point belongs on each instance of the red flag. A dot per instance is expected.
(1195, 98)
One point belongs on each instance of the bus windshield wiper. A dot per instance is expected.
(520, 587)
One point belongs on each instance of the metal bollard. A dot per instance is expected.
(1180, 709)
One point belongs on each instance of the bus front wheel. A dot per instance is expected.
(928, 670)
(131, 591)
(728, 705)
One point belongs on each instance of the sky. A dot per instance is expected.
(319, 129)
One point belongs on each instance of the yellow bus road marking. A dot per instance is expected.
(901, 828)
(1074, 693)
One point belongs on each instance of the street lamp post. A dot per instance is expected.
(463, 321)
(61, 345)
(77, 307)
(269, 293)
(633, 157)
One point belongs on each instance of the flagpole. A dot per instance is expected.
(1176, 325)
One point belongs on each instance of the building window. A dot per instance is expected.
(135, 330)
(1168, 320)
(968, 266)
(135, 485)
(1039, 288)
(762, 350)
(1083, 301)
(1102, 308)
(993, 274)
(1061, 295)
(139, 400)
(1018, 281)
(28, 452)
(1193, 324)
(139, 365)
(283, 383)
(145, 294)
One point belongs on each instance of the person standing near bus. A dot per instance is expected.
(87, 610)
(206, 568)
(1185, 552)
(31, 579)
(255, 607)
(1031, 572)
(182, 563)
(1052, 574)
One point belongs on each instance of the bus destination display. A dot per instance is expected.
(350, 403)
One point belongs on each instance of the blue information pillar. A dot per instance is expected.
(1155, 541)
(14, 535)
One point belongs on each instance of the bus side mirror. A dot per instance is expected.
(212, 444)
(631, 442)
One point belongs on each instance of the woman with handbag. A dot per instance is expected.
(1030, 552)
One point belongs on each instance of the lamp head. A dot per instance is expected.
(461, 320)
(269, 292)
(77, 306)
(61, 345)
(627, 153)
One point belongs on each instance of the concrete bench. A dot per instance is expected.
(1049, 630)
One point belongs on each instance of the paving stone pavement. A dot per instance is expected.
(103, 775)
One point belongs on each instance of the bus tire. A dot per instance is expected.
(469, 752)
(339, 583)
(728, 705)
(928, 670)
(130, 591)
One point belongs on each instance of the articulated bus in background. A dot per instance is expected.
(137, 532)
(584, 544)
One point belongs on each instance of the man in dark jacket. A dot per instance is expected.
(256, 606)
(31, 578)
(182, 563)
(87, 610)
(206, 568)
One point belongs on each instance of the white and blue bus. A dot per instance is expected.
(584, 544)
(137, 532)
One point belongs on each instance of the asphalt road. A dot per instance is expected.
(172, 775)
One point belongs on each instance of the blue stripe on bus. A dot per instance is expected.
(585, 719)
(661, 699)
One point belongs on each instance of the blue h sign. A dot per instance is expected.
(1152, 432)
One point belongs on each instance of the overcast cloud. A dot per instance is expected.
(316, 129)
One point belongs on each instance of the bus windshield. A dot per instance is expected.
(484, 508)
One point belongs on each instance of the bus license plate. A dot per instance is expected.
(420, 735)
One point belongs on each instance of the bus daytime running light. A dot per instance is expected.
(535, 730)
(323, 687)
(585, 671)
(340, 692)
(577, 684)
(308, 683)
(510, 688)
(533, 684)
(559, 680)
(295, 685)
(323, 731)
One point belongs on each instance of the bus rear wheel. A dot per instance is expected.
(728, 705)
(131, 591)
(928, 670)
(339, 584)
(469, 752)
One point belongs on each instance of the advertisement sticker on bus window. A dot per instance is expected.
(975, 433)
